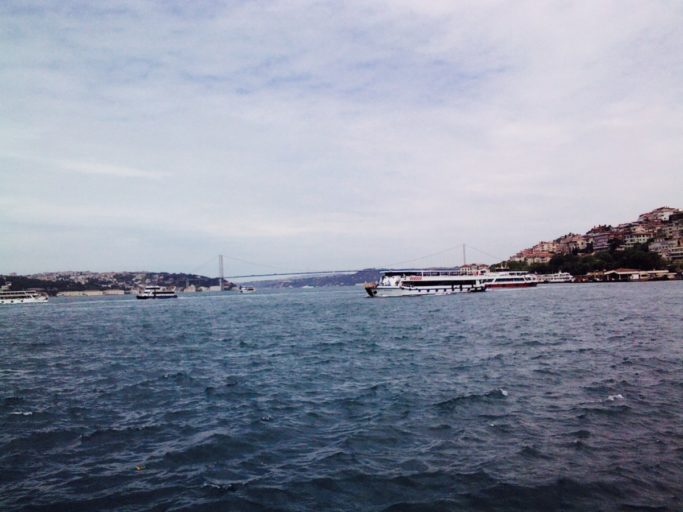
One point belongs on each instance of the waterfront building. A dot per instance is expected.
(81, 293)
(471, 269)
(630, 274)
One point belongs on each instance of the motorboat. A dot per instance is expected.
(157, 292)
(411, 283)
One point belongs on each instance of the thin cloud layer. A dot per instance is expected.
(311, 135)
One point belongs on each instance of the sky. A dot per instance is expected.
(315, 135)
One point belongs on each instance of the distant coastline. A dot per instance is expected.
(626, 252)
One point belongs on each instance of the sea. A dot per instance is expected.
(564, 397)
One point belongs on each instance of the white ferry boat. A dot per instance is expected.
(404, 283)
(558, 277)
(247, 289)
(157, 292)
(23, 297)
(509, 279)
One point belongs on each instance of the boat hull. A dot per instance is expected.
(512, 285)
(411, 291)
(157, 292)
(558, 278)
(27, 300)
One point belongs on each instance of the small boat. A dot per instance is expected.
(22, 297)
(509, 279)
(247, 289)
(412, 283)
(157, 292)
(557, 277)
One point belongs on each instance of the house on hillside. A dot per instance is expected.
(659, 214)
(600, 240)
(663, 247)
(571, 243)
(630, 274)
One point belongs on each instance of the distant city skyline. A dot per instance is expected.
(297, 136)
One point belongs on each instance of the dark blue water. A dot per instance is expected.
(564, 397)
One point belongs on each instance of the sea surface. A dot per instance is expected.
(563, 397)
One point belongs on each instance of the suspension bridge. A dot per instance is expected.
(282, 273)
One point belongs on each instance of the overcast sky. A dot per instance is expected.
(310, 135)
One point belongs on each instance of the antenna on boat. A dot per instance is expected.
(220, 271)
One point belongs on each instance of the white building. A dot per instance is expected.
(660, 214)
(663, 247)
(634, 239)
(676, 253)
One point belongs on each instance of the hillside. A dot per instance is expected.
(55, 282)
(363, 276)
(653, 240)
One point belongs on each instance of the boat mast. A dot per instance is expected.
(220, 271)
(464, 256)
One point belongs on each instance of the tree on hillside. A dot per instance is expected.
(638, 258)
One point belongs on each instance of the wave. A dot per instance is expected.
(560, 494)
(430, 506)
(609, 410)
(218, 489)
(11, 401)
(38, 442)
(337, 405)
(218, 447)
(179, 378)
(533, 453)
(132, 499)
(108, 435)
(493, 395)
(644, 508)
(580, 434)
(148, 386)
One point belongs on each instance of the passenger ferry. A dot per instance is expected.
(558, 277)
(509, 279)
(411, 283)
(23, 297)
(157, 292)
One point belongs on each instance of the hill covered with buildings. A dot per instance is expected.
(654, 240)
(81, 281)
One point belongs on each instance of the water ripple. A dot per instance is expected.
(557, 398)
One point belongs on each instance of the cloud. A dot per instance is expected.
(88, 168)
(389, 127)
(110, 170)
